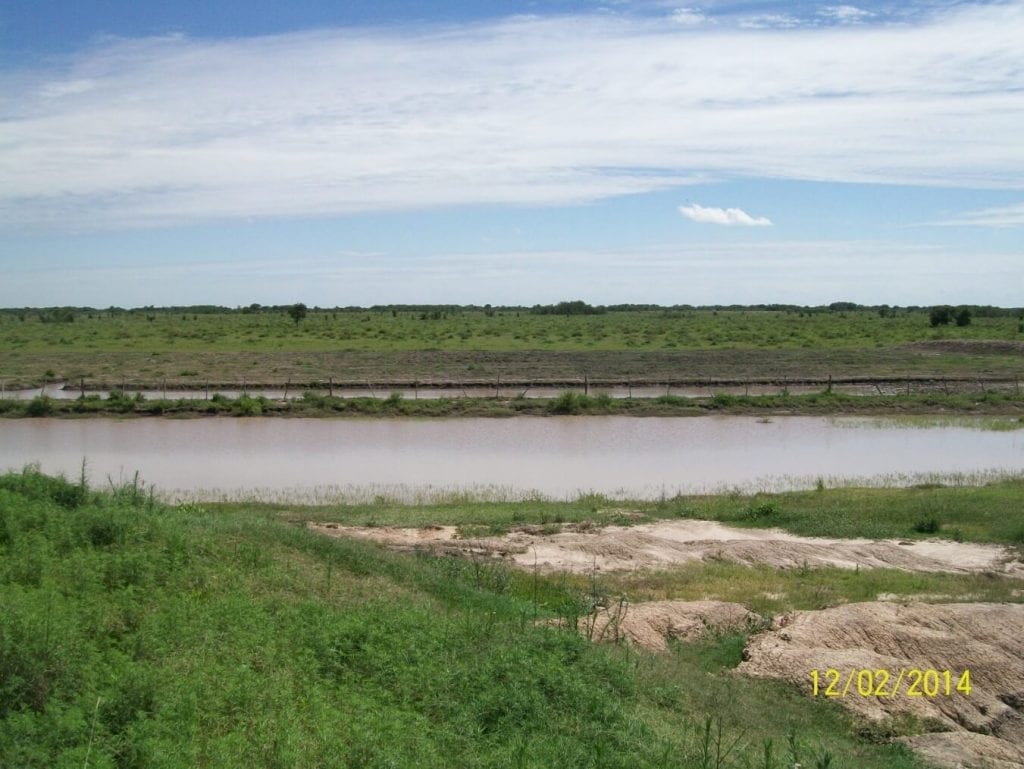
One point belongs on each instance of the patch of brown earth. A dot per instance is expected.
(970, 346)
(583, 548)
(651, 625)
(985, 728)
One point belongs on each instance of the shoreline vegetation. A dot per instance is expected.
(568, 403)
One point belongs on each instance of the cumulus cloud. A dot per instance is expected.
(727, 216)
(525, 111)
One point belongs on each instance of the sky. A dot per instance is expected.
(389, 151)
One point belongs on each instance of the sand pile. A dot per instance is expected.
(983, 638)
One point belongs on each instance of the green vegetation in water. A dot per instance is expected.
(139, 635)
(928, 421)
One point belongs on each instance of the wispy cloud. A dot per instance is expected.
(845, 14)
(1003, 216)
(726, 216)
(688, 17)
(526, 111)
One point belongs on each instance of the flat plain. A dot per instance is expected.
(465, 346)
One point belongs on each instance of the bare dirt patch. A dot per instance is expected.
(582, 548)
(986, 639)
(651, 625)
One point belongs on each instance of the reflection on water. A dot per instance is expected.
(555, 456)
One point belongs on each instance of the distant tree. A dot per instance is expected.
(963, 316)
(297, 312)
(940, 316)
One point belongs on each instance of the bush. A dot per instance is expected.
(761, 511)
(940, 316)
(40, 406)
(927, 525)
(567, 403)
(247, 407)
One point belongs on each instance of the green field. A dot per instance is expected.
(139, 635)
(162, 330)
(466, 345)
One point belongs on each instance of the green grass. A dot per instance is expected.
(139, 635)
(930, 408)
(502, 330)
(462, 345)
(993, 512)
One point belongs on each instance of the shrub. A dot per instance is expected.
(763, 510)
(927, 525)
(567, 403)
(40, 406)
(247, 407)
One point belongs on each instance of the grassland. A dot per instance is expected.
(136, 634)
(461, 345)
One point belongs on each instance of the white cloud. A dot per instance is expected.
(845, 14)
(688, 17)
(726, 216)
(525, 111)
(770, 21)
(1002, 216)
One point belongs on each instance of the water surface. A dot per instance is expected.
(555, 456)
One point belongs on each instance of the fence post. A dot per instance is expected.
(330, 387)
(286, 388)
(586, 385)
(81, 385)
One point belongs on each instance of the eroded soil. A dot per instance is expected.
(584, 547)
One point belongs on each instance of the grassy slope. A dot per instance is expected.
(137, 635)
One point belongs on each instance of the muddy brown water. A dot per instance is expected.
(323, 459)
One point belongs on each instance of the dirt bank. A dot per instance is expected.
(986, 639)
(651, 625)
(584, 547)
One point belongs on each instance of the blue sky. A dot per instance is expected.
(511, 153)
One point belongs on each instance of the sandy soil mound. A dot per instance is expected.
(650, 625)
(986, 639)
(583, 547)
